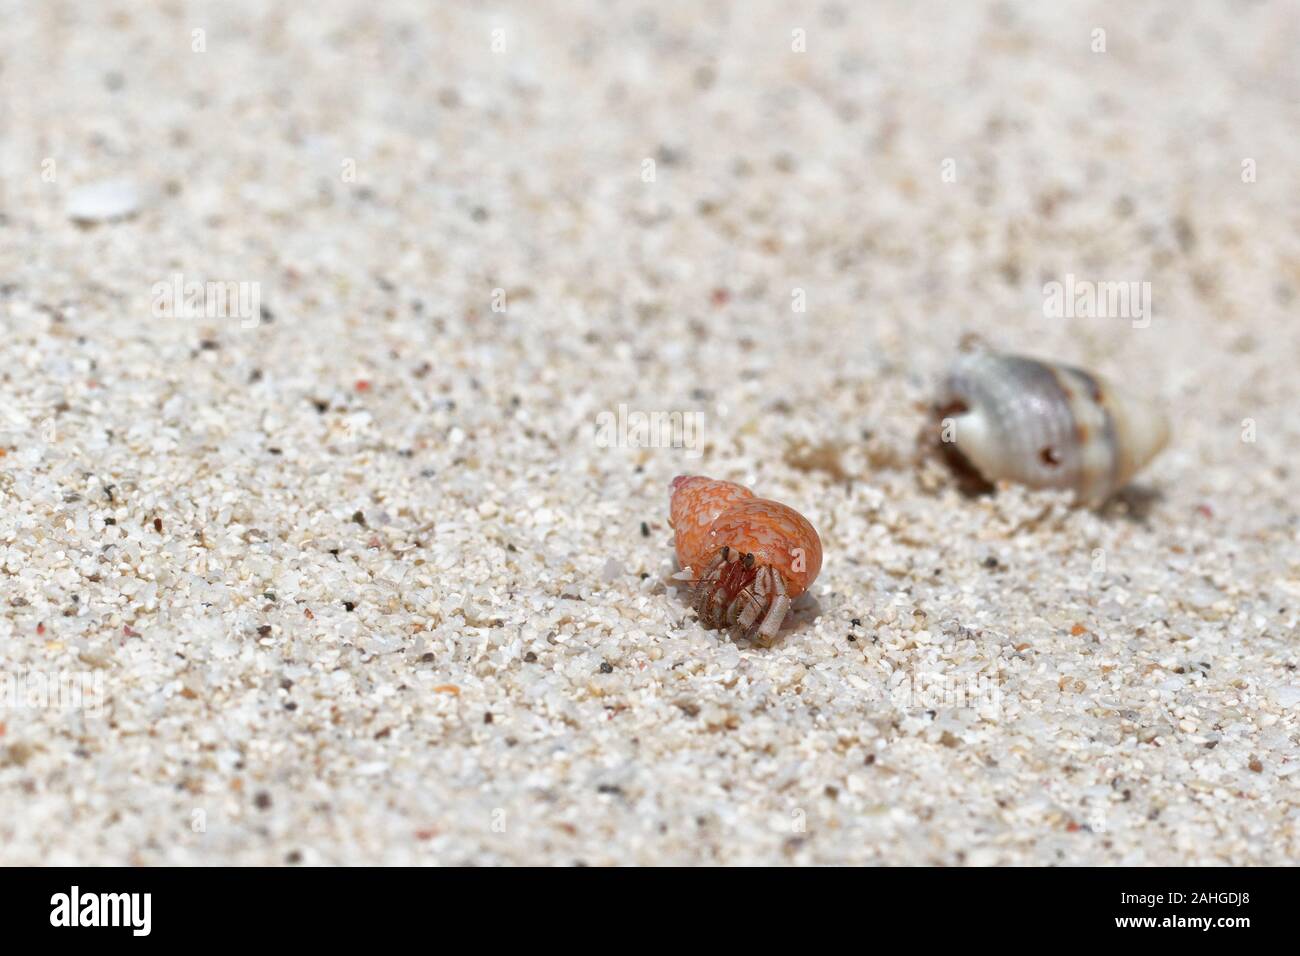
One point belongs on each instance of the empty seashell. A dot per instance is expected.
(1045, 425)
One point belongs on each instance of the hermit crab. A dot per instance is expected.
(747, 558)
(1045, 425)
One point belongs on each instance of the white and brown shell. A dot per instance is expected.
(1045, 425)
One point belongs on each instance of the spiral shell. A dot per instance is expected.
(747, 557)
(1046, 425)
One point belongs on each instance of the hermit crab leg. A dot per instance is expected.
(771, 625)
(733, 609)
(758, 601)
(715, 610)
(754, 599)
(703, 588)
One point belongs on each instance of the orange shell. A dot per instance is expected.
(708, 515)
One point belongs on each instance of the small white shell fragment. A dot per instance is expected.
(103, 201)
(1046, 425)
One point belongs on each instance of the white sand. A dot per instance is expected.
(514, 683)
